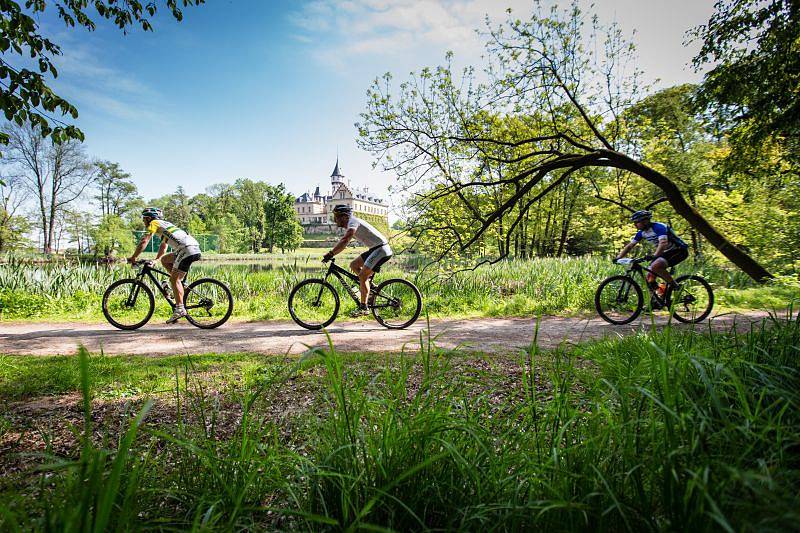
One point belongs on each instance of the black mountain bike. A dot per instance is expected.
(619, 299)
(129, 303)
(314, 303)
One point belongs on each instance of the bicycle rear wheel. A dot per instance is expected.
(619, 300)
(313, 304)
(208, 303)
(128, 304)
(396, 303)
(693, 301)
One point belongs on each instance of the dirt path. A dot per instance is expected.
(486, 334)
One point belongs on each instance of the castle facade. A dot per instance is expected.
(315, 211)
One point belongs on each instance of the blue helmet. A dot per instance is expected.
(642, 214)
(152, 212)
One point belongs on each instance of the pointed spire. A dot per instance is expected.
(336, 172)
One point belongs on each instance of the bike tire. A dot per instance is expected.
(295, 307)
(383, 292)
(684, 280)
(195, 289)
(624, 280)
(139, 287)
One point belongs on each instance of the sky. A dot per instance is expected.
(271, 89)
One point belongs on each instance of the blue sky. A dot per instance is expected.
(270, 89)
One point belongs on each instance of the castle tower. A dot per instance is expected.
(337, 178)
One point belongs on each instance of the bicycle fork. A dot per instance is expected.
(133, 295)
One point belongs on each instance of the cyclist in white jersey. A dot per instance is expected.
(368, 262)
(185, 251)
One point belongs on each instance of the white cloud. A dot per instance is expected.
(91, 84)
(348, 30)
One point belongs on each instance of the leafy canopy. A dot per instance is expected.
(24, 93)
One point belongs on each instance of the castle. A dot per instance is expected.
(315, 211)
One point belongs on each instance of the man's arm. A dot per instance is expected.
(628, 247)
(662, 246)
(161, 249)
(342, 244)
(140, 247)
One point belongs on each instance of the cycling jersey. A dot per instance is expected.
(658, 232)
(366, 233)
(175, 237)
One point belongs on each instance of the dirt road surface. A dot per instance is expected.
(494, 335)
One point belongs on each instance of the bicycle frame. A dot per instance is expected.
(148, 271)
(340, 274)
(636, 267)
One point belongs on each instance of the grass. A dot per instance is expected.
(260, 290)
(669, 430)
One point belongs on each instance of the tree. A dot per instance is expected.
(112, 236)
(25, 96)
(13, 227)
(116, 193)
(433, 133)
(55, 174)
(755, 80)
(251, 199)
(675, 141)
(176, 207)
(282, 227)
(79, 226)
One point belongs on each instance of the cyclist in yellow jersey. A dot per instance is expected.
(185, 251)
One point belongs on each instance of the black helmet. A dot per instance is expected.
(342, 209)
(152, 212)
(642, 214)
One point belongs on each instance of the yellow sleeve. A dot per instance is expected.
(152, 227)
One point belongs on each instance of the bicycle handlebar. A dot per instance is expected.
(637, 260)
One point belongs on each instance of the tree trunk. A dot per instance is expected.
(736, 256)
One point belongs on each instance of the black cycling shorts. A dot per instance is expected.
(675, 256)
(378, 251)
(186, 262)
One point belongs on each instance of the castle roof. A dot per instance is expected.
(336, 172)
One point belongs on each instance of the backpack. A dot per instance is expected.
(673, 237)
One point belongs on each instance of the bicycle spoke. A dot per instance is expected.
(693, 300)
(127, 304)
(208, 303)
(396, 303)
(313, 304)
(618, 300)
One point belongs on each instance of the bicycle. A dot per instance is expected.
(619, 299)
(314, 303)
(129, 303)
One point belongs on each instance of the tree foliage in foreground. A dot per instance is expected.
(438, 132)
(25, 96)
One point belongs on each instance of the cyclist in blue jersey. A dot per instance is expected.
(670, 249)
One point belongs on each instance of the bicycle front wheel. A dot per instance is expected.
(128, 304)
(619, 300)
(313, 304)
(396, 303)
(208, 303)
(693, 300)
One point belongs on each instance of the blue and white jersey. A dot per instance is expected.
(658, 232)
